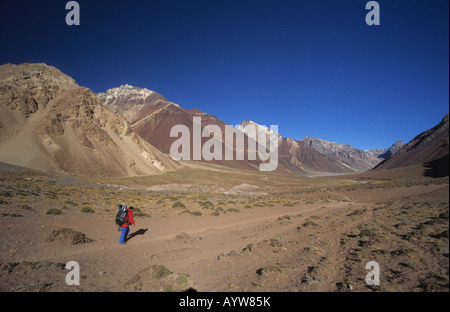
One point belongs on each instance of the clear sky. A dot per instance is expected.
(312, 67)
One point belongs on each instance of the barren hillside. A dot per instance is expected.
(48, 122)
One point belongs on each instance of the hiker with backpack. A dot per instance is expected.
(124, 218)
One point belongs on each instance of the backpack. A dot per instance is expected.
(121, 215)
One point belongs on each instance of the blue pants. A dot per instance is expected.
(124, 235)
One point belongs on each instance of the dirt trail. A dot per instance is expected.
(200, 239)
(183, 243)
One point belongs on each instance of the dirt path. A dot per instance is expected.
(180, 242)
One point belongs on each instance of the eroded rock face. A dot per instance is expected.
(350, 156)
(50, 123)
(28, 87)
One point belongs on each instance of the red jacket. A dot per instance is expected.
(129, 219)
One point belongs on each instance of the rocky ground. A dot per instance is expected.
(274, 234)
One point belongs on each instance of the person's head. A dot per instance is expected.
(123, 206)
(131, 208)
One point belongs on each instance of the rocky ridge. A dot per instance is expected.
(50, 123)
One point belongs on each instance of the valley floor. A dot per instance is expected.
(241, 233)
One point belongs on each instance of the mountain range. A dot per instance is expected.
(152, 116)
(385, 153)
(49, 123)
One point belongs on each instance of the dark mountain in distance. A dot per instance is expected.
(429, 149)
(385, 153)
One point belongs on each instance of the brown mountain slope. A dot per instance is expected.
(298, 157)
(305, 158)
(49, 123)
(346, 155)
(152, 117)
(430, 149)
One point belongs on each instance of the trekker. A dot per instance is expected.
(126, 225)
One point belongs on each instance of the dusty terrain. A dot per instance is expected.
(224, 230)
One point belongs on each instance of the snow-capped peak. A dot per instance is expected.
(126, 90)
(123, 92)
(246, 123)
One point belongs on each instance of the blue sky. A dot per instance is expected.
(312, 67)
